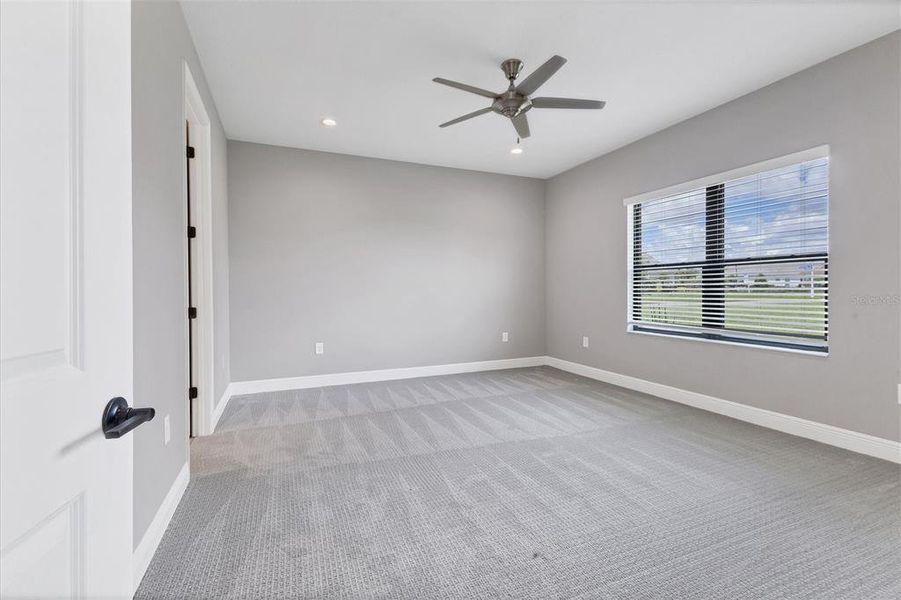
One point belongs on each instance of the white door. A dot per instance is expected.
(65, 298)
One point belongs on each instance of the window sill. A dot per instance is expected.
(691, 338)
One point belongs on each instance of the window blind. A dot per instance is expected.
(743, 259)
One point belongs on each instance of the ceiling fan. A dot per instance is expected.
(517, 101)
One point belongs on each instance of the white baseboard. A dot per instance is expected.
(143, 554)
(295, 383)
(827, 434)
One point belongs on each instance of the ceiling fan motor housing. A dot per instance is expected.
(511, 104)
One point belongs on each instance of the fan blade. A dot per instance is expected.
(521, 123)
(476, 113)
(566, 103)
(534, 81)
(465, 88)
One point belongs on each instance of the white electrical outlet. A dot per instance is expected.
(584, 341)
(167, 430)
(899, 393)
(505, 337)
(320, 348)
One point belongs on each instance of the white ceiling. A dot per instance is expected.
(276, 68)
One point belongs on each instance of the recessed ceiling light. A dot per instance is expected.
(516, 151)
(328, 122)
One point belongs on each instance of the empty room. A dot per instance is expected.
(450, 299)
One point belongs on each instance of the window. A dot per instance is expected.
(740, 257)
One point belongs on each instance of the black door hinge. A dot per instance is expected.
(189, 151)
(192, 312)
(192, 231)
(192, 392)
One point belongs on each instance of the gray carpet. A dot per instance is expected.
(528, 483)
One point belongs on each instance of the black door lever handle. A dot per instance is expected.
(118, 418)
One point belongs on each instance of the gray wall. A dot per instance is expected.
(160, 44)
(850, 102)
(389, 264)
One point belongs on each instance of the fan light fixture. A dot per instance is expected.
(516, 150)
(328, 122)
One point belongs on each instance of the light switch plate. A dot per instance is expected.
(584, 341)
(505, 336)
(320, 348)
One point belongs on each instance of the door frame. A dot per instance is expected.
(195, 114)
